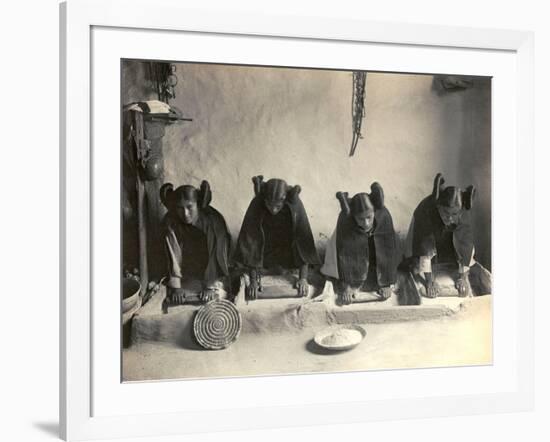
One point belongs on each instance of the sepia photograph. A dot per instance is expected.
(280, 220)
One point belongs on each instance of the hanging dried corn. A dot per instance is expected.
(357, 107)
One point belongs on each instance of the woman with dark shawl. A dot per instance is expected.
(196, 242)
(441, 242)
(360, 255)
(275, 234)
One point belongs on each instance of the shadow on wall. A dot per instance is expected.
(296, 124)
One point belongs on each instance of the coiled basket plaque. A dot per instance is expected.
(217, 324)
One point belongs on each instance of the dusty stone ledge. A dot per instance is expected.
(282, 316)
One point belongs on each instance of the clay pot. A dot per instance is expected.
(130, 294)
(153, 168)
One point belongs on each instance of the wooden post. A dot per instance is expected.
(141, 207)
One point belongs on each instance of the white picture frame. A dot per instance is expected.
(79, 377)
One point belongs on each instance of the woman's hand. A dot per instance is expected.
(385, 292)
(303, 287)
(177, 296)
(347, 295)
(209, 294)
(462, 284)
(254, 287)
(432, 288)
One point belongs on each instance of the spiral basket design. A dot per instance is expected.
(217, 324)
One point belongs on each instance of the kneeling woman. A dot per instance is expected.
(360, 255)
(440, 247)
(275, 236)
(197, 242)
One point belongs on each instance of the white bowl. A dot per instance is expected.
(341, 337)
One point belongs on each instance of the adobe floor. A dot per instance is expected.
(461, 338)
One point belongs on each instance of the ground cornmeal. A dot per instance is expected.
(342, 337)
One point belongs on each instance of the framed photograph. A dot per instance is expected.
(312, 219)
